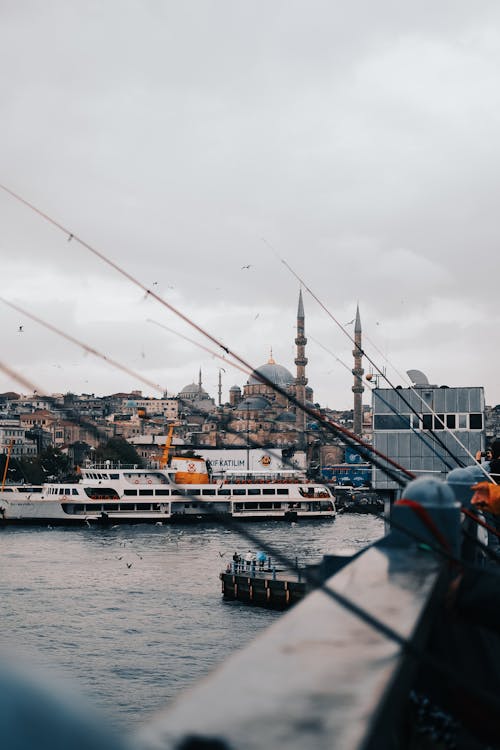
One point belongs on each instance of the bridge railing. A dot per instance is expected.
(319, 677)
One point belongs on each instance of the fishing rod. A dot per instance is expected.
(86, 348)
(344, 601)
(361, 446)
(390, 406)
(114, 363)
(431, 410)
(375, 623)
(350, 437)
(383, 374)
(18, 378)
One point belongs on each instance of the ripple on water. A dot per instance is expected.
(159, 625)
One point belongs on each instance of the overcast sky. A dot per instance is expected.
(358, 141)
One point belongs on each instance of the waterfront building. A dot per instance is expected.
(13, 434)
(418, 441)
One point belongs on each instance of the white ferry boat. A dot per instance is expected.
(182, 492)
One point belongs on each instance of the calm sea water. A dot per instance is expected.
(134, 614)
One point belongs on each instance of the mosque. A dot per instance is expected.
(259, 412)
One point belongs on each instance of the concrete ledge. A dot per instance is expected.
(319, 677)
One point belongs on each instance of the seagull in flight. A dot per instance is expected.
(20, 329)
(248, 266)
(350, 322)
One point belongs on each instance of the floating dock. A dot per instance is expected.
(275, 591)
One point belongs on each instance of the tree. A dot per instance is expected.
(54, 462)
(118, 449)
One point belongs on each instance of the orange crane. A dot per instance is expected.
(7, 464)
(166, 447)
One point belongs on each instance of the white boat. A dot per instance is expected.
(180, 493)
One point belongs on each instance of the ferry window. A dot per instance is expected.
(176, 492)
(438, 421)
(267, 491)
(239, 492)
(251, 506)
(162, 492)
(145, 492)
(223, 492)
(427, 421)
(114, 476)
(254, 491)
(282, 491)
(143, 506)
(462, 421)
(415, 421)
(476, 421)
(108, 506)
(74, 491)
(238, 506)
(265, 506)
(208, 492)
(450, 421)
(62, 491)
(130, 492)
(276, 506)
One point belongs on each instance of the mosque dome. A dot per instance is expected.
(253, 403)
(192, 391)
(286, 416)
(277, 374)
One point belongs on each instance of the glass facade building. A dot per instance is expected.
(418, 428)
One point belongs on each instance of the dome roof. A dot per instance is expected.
(235, 388)
(277, 374)
(193, 390)
(287, 416)
(254, 403)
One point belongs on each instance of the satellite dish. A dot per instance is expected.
(417, 377)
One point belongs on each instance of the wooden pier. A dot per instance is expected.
(264, 589)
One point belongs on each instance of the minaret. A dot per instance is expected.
(357, 371)
(199, 381)
(301, 380)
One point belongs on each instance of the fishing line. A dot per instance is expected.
(323, 421)
(362, 353)
(349, 437)
(183, 336)
(375, 392)
(86, 348)
(408, 646)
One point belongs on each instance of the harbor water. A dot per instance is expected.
(133, 615)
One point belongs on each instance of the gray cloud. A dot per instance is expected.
(360, 141)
